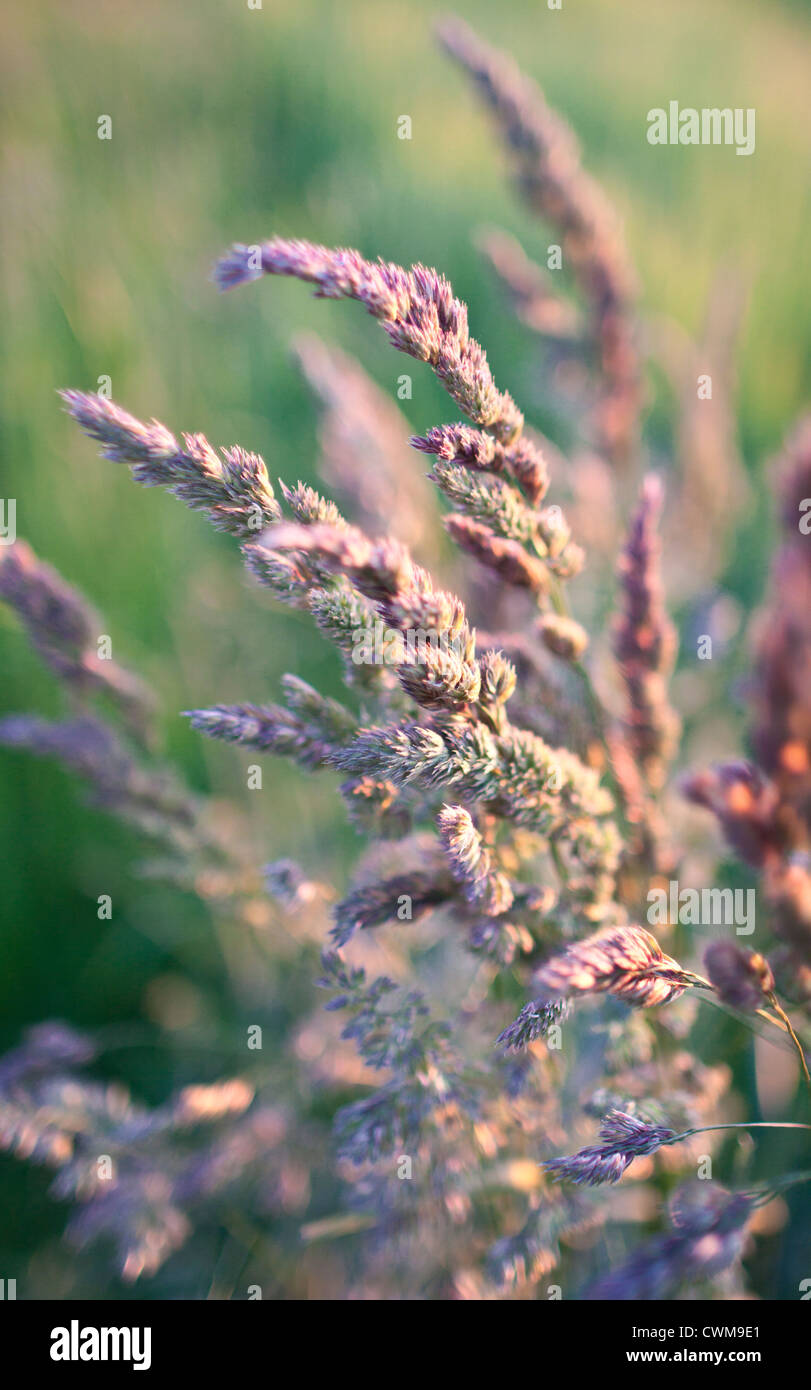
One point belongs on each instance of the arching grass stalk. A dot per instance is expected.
(782, 1021)
(781, 1013)
(762, 1196)
(737, 1124)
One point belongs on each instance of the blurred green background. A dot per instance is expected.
(233, 124)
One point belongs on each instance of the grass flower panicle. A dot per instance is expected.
(545, 160)
(622, 1139)
(627, 962)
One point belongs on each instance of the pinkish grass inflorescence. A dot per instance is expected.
(545, 160)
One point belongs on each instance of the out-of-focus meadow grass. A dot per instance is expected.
(231, 124)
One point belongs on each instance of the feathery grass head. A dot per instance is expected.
(416, 307)
(64, 631)
(743, 979)
(645, 643)
(623, 1138)
(708, 1229)
(627, 962)
(545, 161)
(471, 864)
(233, 487)
(533, 1022)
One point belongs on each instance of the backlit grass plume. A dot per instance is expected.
(764, 807)
(545, 161)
